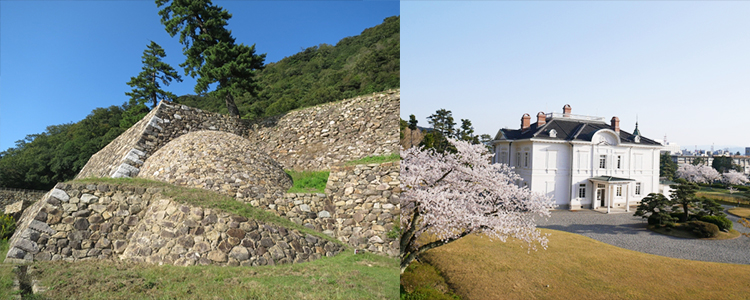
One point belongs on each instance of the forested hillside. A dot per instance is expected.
(357, 65)
(41, 160)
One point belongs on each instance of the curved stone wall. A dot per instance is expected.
(313, 138)
(322, 136)
(218, 161)
(87, 221)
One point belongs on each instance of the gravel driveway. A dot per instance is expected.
(629, 232)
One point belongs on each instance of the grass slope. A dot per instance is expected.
(207, 199)
(345, 276)
(376, 159)
(577, 267)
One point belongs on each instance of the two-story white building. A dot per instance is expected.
(581, 161)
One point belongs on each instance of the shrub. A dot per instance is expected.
(717, 185)
(660, 219)
(742, 188)
(7, 226)
(721, 221)
(703, 229)
(679, 216)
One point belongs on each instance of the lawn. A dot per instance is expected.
(742, 212)
(578, 267)
(344, 276)
(723, 196)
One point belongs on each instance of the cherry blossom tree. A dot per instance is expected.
(446, 196)
(734, 178)
(698, 174)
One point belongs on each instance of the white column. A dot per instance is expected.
(608, 196)
(627, 198)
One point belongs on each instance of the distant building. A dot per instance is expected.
(581, 161)
(747, 151)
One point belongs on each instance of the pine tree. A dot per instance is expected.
(211, 50)
(147, 86)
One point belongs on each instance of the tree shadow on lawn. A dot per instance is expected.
(613, 229)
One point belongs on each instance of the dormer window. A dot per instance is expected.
(637, 139)
(553, 133)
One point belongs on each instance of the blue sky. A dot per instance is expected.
(61, 59)
(681, 68)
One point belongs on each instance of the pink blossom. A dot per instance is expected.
(451, 195)
(734, 178)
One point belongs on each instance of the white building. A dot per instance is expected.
(581, 161)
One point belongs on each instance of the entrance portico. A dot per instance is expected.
(608, 188)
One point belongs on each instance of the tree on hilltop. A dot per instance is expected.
(147, 85)
(210, 50)
(448, 196)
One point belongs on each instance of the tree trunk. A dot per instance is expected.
(153, 80)
(233, 111)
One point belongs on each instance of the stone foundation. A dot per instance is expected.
(85, 221)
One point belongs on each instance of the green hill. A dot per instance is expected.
(355, 66)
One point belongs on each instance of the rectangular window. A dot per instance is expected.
(526, 159)
(637, 188)
(518, 159)
(619, 160)
(619, 191)
(582, 191)
(602, 161)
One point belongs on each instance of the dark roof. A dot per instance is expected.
(568, 130)
(610, 179)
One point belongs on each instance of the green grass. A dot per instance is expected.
(422, 281)
(208, 199)
(308, 181)
(724, 197)
(345, 276)
(6, 273)
(578, 267)
(379, 159)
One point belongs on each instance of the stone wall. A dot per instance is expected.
(358, 208)
(218, 161)
(86, 221)
(125, 155)
(313, 138)
(14, 201)
(320, 137)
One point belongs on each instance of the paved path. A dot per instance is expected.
(629, 232)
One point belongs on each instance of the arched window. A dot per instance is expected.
(553, 133)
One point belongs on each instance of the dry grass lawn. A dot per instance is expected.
(742, 212)
(578, 267)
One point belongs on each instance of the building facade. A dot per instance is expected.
(581, 161)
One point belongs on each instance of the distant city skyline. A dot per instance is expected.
(679, 68)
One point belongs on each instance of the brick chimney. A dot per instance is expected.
(525, 121)
(541, 119)
(566, 110)
(615, 122)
